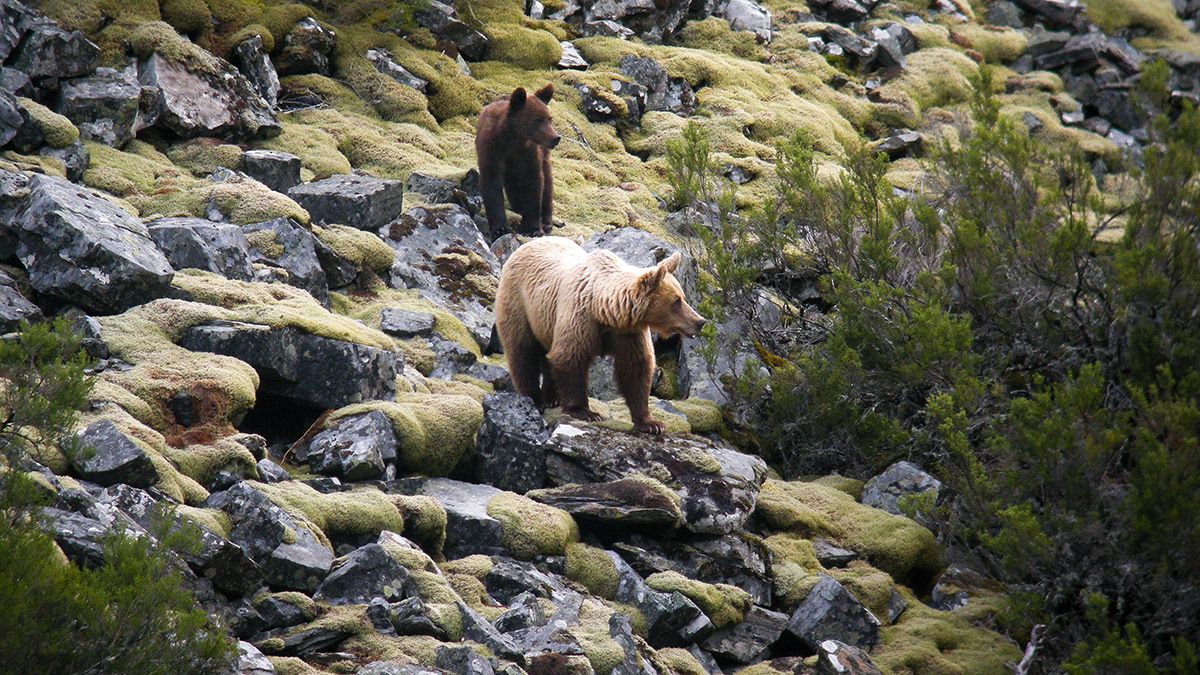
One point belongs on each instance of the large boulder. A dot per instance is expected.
(81, 248)
(255, 63)
(290, 555)
(14, 21)
(364, 202)
(442, 20)
(279, 171)
(671, 619)
(365, 573)
(108, 457)
(48, 52)
(749, 16)
(748, 640)
(510, 451)
(441, 254)
(202, 244)
(104, 105)
(281, 243)
(469, 528)
(358, 447)
(309, 369)
(728, 559)
(663, 93)
(191, 102)
(830, 612)
(11, 119)
(642, 249)
(628, 502)
(717, 485)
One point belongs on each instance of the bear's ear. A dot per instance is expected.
(517, 99)
(546, 93)
(651, 278)
(672, 262)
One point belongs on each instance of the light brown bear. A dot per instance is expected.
(559, 307)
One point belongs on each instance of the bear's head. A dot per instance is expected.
(529, 117)
(666, 310)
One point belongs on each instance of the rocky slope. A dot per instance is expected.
(262, 219)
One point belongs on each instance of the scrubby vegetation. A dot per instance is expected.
(1032, 343)
(130, 612)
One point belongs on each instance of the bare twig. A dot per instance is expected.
(1035, 636)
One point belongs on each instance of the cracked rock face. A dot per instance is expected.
(899, 480)
(830, 612)
(81, 248)
(205, 245)
(357, 448)
(104, 105)
(718, 485)
(193, 103)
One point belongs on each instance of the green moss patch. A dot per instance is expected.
(339, 515)
(424, 520)
(892, 543)
(593, 568)
(58, 130)
(433, 432)
(926, 640)
(364, 249)
(530, 529)
(724, 605)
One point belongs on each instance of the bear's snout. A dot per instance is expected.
(554, 142)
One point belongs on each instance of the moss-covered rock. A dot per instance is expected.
(530, 529)
(894, 544)
(424, 520)
(58, 131)
(337, 516)
(926, 640)
(433, 431)
(364, 249)
(724, 605)
(593, 568)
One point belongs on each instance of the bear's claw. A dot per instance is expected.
(650, 427)
(584, 414)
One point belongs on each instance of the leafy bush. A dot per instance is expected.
(993, 333)
(130, 614)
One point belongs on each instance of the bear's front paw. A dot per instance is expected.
(650, 426)
(584, 414)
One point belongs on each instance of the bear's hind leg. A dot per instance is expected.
(633, 368)
(570, 381)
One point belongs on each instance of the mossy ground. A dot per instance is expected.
(725, 605)
(593, 568)
(530, 529)
(433, 431)
(926, 640)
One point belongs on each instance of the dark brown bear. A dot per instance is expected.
(513, 139)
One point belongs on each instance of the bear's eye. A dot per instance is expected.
(678, 303)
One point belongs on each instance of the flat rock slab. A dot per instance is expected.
(747, 641)
(81, 248)
(623, 502)
(291, 363)
(109, 457)
(202, 244)
(717, 485)
(469, 528)
(279, 171)
(364, 202)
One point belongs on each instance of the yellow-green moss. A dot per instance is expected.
(851, 486)
(703, 416)
(872, 587)
(794, 568)
(316, 148)
(188, 16)
(593, 568)
(593, 634)
(433, 431)
(1156, 16)
(343, 514)
(15, 161)
(202, 156)
(291, 665)
(215, 520)
(933, 77)
(997, 45)
(307, 606)
(364, 249)
(368, 307)
(424, 520)
(202, 462)
(530, 529)
(714, 34)
(724, 605)
(159, 37)
(504, 23)
(58, 130)
(895, 544)
(476, 565)
(926, 640)
(245, 200)
(678, 661)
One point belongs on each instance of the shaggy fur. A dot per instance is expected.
(513, 138)
(559, 307)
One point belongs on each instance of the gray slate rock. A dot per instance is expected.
(364, 202)
(900, 479)
(442, 20)
(469, 528)
(662, 93)
(314, 370)
(14, 307)
(748, 641)
(477, 629)
(357, 448)
(292, 249)
(405, 323)
(728, 559)
(365, 573)
(307, 48)
(1054, 12)
(49, 52)
(672, 620)
(103, 105)
(202, 244)
(14, 81)
(250, 661)
(108, 457)
(712, 502)
(571, 58)
(830, 612)
(279, 171)
(80, 247)
(653, 22)
(278, 612)
(832, 556)
(270, 472)
(407, 617)
(431, 243)
(254, 62)
(749, 16)
(79, 537)
(839, 658)
(388, 668)
(291, 557)
(462, 661)
(11, 118)
(74, 158)
(510, 450)
(384, 63)
(194, 103)
(15, 18)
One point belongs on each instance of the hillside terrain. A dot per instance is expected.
(263, 221)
